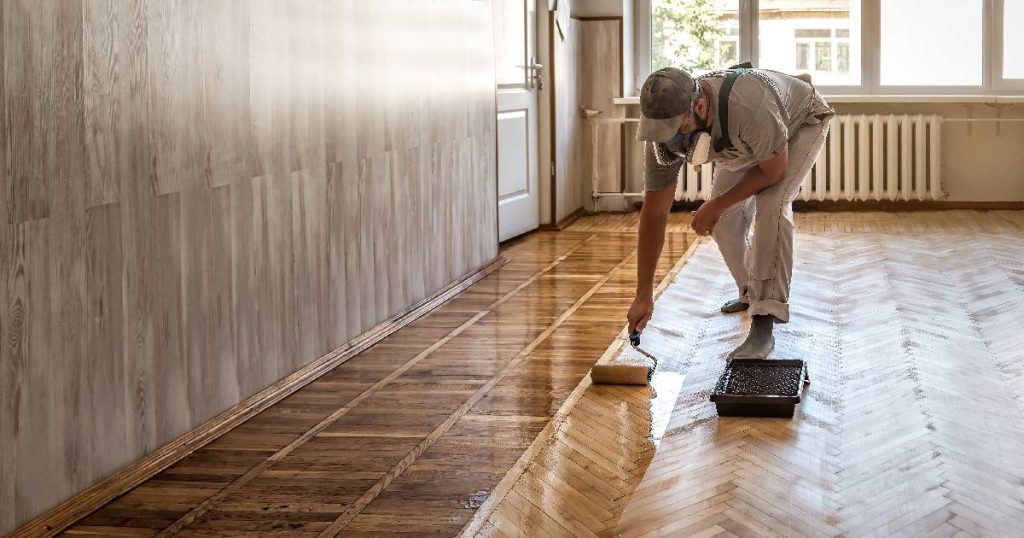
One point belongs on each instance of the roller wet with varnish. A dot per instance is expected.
(623, 373)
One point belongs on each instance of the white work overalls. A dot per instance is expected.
(762, 262)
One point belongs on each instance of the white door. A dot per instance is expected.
(518, 79)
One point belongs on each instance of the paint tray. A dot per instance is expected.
(759, 388)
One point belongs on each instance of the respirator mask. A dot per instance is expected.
(694, 149)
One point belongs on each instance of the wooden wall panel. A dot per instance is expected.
(199, 198)
(587, 74)
(600, 81)
(568, 131)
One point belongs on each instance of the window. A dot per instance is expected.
(812, 36)
(1013, 39)
(728, 47)
(698, 35)
(831, 52)
(943, 47)
(847, 46)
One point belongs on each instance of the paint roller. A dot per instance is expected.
(625, 374)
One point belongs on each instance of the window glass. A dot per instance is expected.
(931, 43)
(820, 37)
(697, 35)
(1013, 39)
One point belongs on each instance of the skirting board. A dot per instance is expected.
(81, 505)
(872, 205)
(565, 222)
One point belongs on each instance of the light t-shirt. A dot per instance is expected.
(766, 109)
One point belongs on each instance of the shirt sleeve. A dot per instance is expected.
(657, 176)
(765, 131)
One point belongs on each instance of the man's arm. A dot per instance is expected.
(650, 240)
(758, 178)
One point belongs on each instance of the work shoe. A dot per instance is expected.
(734, 306)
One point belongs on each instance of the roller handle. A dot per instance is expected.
(634, 339)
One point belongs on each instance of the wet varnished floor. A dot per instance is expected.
(412, 435)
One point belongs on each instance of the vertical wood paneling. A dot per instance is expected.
(244, 303)
(600, 68)
(105, 29)
(208, 347)
(33, 450)
(199, 198)
(365, 255)
(102, 416)
(569, 133)
(10, 314)
(590, 52)
(63, 245)
(349, 180)
(27, 79)
(164, 390)
(174, 75)
(335, 294)
(225, 88)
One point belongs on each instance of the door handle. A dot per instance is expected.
(534, 77)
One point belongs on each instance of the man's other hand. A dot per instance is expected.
(706, 216)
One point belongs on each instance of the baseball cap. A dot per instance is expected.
(666, 96)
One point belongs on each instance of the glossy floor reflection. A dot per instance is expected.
(913, 426)
(412, 435)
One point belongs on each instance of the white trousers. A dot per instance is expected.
(762, 262)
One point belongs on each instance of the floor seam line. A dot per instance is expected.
(345, 518)
(210, 502)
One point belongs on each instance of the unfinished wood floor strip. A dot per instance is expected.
(877, 447)
(211, 502)
(335, 528)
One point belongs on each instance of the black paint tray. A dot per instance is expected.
(759, 388)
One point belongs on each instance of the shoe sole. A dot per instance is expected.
(734, 309)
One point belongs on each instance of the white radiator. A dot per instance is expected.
(866, 157)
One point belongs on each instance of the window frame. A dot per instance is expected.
(992, 84)
(999, 83)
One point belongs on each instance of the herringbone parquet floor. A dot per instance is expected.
(913, 425)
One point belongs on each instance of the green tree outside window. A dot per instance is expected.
(684, 34)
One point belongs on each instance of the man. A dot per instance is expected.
(765, 135)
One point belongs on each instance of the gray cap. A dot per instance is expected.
(667, 95)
